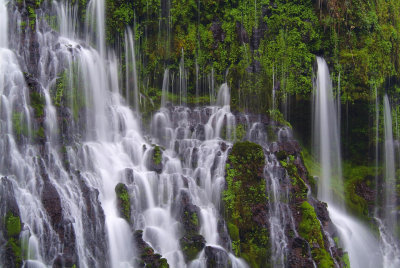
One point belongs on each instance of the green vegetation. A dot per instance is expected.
(157, 155)
(20, 126)
(123, 199)
(13, 229)
(68, 91)
(359, 180)
(310, 229)
(245, 196)
(287, 161)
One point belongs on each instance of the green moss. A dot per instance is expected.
(310, 229)
(157, 155)
(123, 199)
(37, 103)
(356, 176)
(68, 90)
(246, 190)
(20, 126)
(278, 117)
(346, 260)
(13, 229)
(13, 225)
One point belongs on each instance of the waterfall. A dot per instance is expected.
(326, 134)
(131, 83)
(362, 246)
(390, 172)
(3, 25)
(182, 80)
(165, 87)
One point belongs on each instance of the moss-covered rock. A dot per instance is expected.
(148, 258)
(13, 246)
(310, 229)
(245, 203)
(154, 163)
(123, 201)
(188, 214)
(191, 245)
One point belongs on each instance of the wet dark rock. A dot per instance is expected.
(200, 132)
(146, 253)
(129, 175)
(52, 203)
(180, 133)
(154, 162)
(94, 224)
(225, 240)
(299, 255)
(290, 147)
(217, 258)
(10, 225)
(277, 85)
(321, 209)
(223, 146)
(254, 67)
(191, 245)
(218, 33)
(257, 35)
(8, 203)
(260, 214)
(195, 157)
(188, 215)
(243, 36)
(362, 189)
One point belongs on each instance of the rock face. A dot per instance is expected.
(95, 222)
(245, 203)
(146, 254)
(188, 215)
(310, 215)
(52, 203)
(217, 258)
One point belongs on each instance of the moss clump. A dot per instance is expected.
(356, 176)
(298, 183)
(13, 225)
(310, 229)
(13, 229)
(245, 199)
(38, 103)
(123, 199)
(20, 126)
(157, 155)
(191, 245)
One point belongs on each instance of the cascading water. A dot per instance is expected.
(388, 224)
(69, 140)
(362, 246)
(326, 135)
(390, 210)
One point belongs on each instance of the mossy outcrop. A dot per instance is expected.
(245, 203)
(310, 229)
(147, 256)
(189, 216)
(10, 225)
(123, 201)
